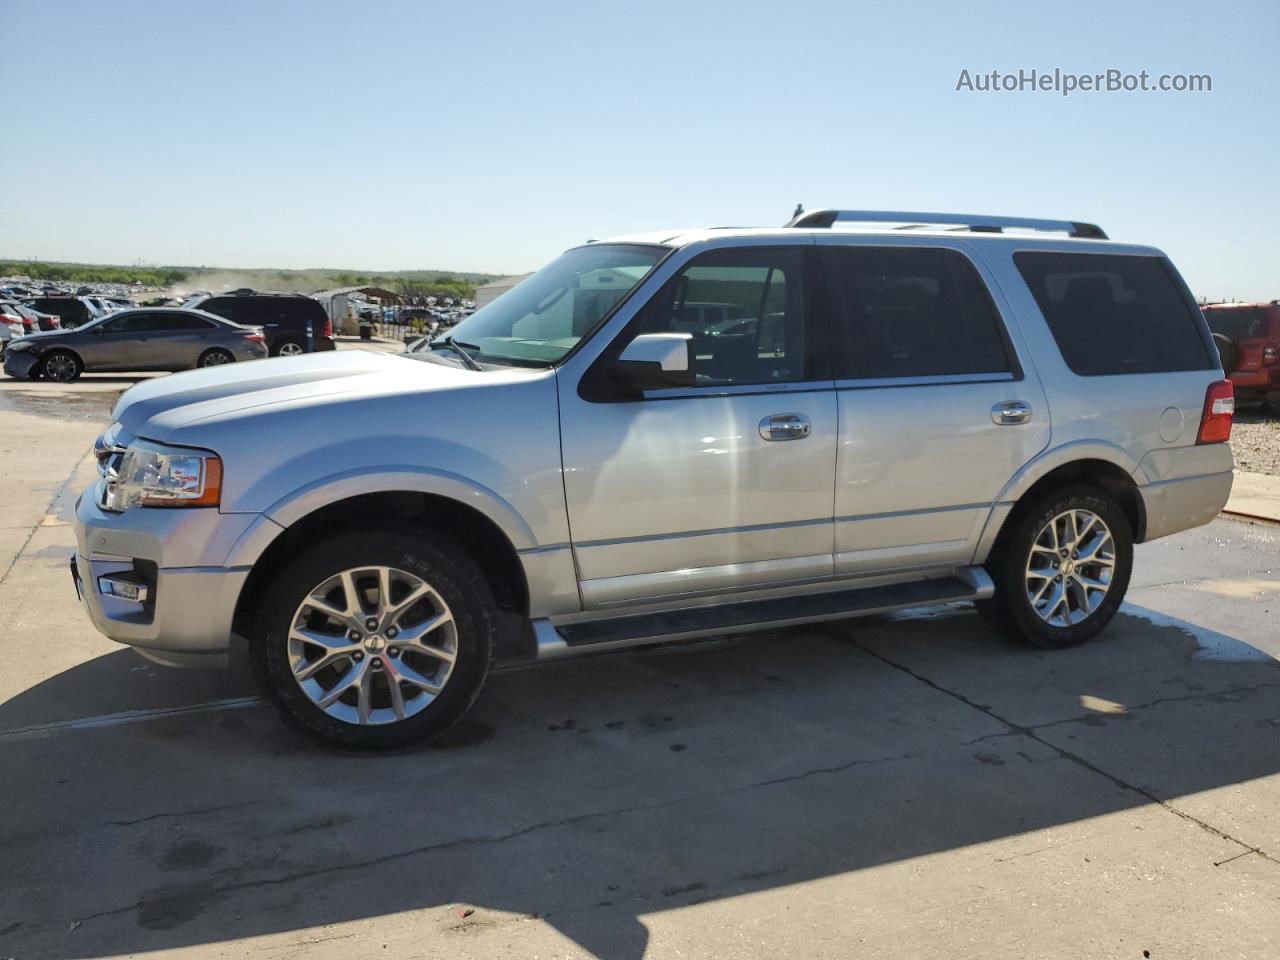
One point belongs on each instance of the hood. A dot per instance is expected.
(157, 408)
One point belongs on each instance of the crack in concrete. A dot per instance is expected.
(206, 890)
(62, 487)
(182, 813)
(1030, 732)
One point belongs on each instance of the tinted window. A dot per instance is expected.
(131, 323)
(912, 312)
(180, 321)
(227, 307)
(746, 311)
(1238, 323)
(1113, 314)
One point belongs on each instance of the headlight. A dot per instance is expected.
(150, 475)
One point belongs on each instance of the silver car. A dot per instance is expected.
(976, 409)
(156, 338)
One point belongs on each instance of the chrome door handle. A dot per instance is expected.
(785, 426)
(1011, 412)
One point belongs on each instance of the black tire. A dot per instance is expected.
(215, 357)
(1227, 351)
(1273, 403)
(66, 366)
(430, 555)
(289, 347)
(1010, 610)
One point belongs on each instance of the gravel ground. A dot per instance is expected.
(1255, 441)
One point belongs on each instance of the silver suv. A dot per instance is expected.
(943, 408)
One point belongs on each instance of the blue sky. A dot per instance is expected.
(489, 136)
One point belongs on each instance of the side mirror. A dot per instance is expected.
(656, 361)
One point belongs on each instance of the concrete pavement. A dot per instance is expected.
(909, 786)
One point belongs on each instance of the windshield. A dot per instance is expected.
(543, 318)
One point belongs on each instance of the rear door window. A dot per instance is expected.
(912, 312)
(1116, 314)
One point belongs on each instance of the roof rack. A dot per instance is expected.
(963, 221)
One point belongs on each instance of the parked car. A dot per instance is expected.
(944, 415)
(282, 316)
(10, 328)
(1248, 339)
(73, 311)
(31, 321)
(144, 339)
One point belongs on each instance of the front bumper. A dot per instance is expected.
(186, 616)
(20, 364)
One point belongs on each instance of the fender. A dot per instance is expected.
(304, 501)
(1037, 468)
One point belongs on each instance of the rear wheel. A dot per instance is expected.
(289, 348)
(376, 640)
(1062, 571)
(215, 357)
(61, 366)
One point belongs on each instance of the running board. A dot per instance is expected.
(620, 632)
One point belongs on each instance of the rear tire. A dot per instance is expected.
(1062, 569)
(289, 348)
(437, 672)
(215, 357)
(60, 366)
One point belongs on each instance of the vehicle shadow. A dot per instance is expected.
(593, 793)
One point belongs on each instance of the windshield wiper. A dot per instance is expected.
(457, 348)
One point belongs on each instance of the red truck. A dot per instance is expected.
(1248, 339)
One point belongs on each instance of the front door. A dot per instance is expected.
(720, 487)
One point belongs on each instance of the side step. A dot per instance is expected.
(618, 632)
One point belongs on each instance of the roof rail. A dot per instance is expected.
(975, 223)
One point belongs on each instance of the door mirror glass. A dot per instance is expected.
(656, 361)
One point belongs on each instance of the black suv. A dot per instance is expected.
(282, 316)
(73, 311)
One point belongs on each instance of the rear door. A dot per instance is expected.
(937, 411)
(176, 340)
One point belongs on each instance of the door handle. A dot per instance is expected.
(1011, 412)
(785, 426)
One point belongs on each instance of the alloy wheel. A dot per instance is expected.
(60, 367)
(372, 645)
(1070, 568)
(216, 358)
(290, 349)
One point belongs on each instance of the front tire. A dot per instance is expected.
(371, 641)
(60, 366)
(1062, 571)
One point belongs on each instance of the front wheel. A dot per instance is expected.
(61, 366)
(375, 640)
(1062, 572)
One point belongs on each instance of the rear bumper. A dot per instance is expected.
(1174, 505)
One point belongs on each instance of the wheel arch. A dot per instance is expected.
(62, 348)
(1104, 471)
(215, 349)
(478, 533)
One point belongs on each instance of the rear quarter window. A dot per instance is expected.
(1115, 313)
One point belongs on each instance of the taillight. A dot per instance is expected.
(1270, 353)
(1219, 408)
(328, 327)
(255, 338)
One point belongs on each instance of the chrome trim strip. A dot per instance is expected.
(715, 531)
(911, 513)
(941, 380)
